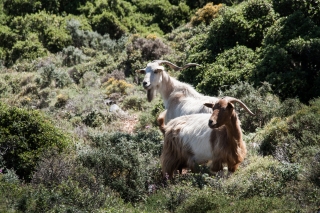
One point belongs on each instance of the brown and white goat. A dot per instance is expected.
(188, 141)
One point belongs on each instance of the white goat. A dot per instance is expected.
(179, 98)
(188, 141)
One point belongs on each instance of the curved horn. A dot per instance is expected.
(232, 100)
(175, 67)
(141, 70)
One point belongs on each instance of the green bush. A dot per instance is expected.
(6, 34)
(242, 25)
(134, 102)
(230, 67)
(24, 135)
(105, 16)
(49, 73)
(22, 7)
(72, 56)
(29, 49)
(122, 161)
(166, 14)
(206, 14)
(289, 63)
(308, 8)
(56, 38)
(295, 139)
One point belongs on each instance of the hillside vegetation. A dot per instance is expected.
(63, 64)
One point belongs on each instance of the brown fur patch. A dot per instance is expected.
(226, 141)
(175, 155)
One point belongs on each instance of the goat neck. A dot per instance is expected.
(233, 129)
(166, 87)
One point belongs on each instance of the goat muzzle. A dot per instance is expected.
(145, 84)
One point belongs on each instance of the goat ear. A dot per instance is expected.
(210, 105)
(230, 105)
(158, 70)
(141, 71)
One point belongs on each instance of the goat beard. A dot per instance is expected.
(150, 94)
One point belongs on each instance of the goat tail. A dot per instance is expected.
(160, 120)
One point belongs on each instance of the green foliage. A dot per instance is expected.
(242, 25)
(49, 73)
(121, 160)
(23, 7)
(134, 102)
(29, 49)
(96, 119)
(168, 16)
(72, 56)
(24, 135)
(116, 86)
(265, 177)
(56, 38)
(230, 67)
(308, 8)
(6, 34)
(216, 202)
(295, 139)
(288, 59)
(68, 196)
(206, 14)
(105, 16)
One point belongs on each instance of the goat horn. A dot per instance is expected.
(231, 99)
(175, 67)
(139, 70)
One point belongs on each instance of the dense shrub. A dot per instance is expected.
(241, 25)
(6, 34)
(295, 139)
(134, 102)
(206, 14)
(24, 135)
(149, 48)
(142, 50)
(72, 56)
(166, 14)
(289, 58)
(49, 74)
(308, 8)
(230, 67)
(122, 161)
(116, 86)
(19, 8)
(29, 49)
(105, 16)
